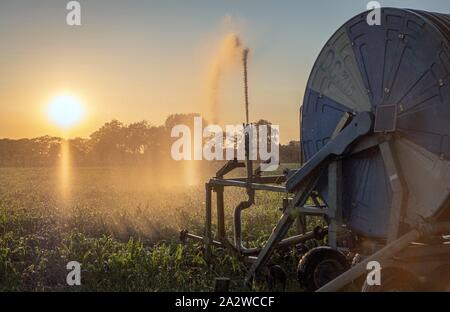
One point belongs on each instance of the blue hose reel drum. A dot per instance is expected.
(403, 65)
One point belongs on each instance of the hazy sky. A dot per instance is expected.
(138, 59)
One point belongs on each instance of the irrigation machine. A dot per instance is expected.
(375, 139)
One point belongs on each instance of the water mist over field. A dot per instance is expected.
(230, 54)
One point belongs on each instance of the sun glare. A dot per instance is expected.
(65, 110)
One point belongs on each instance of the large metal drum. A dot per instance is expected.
(404, 62)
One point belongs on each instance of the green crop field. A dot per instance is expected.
(124, 230)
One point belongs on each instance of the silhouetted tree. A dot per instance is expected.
(115, 144)
(108, 143)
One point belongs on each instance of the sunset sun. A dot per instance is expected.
(65, 110)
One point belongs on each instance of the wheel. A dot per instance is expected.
(439, 279)
(365, 68)
(320, 266)
(301, 249)
(394, 280)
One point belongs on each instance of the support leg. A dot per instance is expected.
(220, 213)
(283, 225)
(208, 221)
(335, 204)
(277, 235)
(301, 225)
(398, 188)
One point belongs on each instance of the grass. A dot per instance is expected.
(122, 228)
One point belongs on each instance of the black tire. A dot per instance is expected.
(320, 266)
(394, 280)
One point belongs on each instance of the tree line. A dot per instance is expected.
(115, 143)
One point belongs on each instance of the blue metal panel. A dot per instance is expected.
(320, 116)
(404, 62)
(366, 190)
(367, 194)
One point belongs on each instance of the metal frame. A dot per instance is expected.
(218, 184)
(350, 137)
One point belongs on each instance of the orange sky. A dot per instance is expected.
(139, 60)
(133, 69)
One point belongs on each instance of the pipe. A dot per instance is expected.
(385, 253)
(291, 241)
(245, 61)
(237, 223)
(243, 184)
(184, 235)
(244, 204)
(298, 239)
